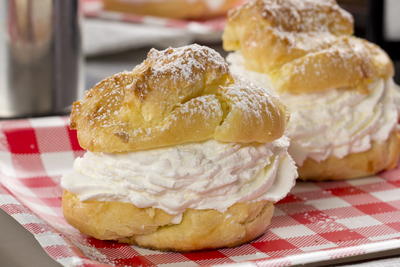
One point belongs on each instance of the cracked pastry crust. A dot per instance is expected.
(175, 96)
(178, 9)
(153, 228)
(304, 46)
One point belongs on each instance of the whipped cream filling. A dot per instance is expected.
(334, 122)
(208, 175)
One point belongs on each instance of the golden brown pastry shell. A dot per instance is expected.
(381, 156)
(176, 96)
(152, 228)
(304, 46)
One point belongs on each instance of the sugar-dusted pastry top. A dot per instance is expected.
(175, 96)
(350, 63)
(304, 45)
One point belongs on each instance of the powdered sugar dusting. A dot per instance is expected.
(251, 105)
(307, 16)
(165, 70)
(175, 96)
(185, 63)
(297, 24)
(105, 101)
(296, 21)
(347, 53)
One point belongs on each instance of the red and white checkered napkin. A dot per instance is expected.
(317, 221)
(94, 9)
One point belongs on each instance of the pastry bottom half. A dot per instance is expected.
(381, 156)
(153, 228)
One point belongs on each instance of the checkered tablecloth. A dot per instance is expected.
(316, 222)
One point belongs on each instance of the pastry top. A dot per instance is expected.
(175, 96)
(304, 45)
(297, 16)
(350, 64)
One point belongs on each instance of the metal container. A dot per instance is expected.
(40, 57)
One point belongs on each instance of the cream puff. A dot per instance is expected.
(338, 88)
(181, 156)
(177, 9)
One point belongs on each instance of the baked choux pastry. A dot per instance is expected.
(177, 9)
(181, 156)
(338, 88)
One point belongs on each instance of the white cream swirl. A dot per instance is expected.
(334, 122)
(208, 175)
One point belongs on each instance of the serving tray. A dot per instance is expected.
(315, 222)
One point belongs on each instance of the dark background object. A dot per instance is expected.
(376, 28)
(359, 9)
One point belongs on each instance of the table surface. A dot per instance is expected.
(15, 239)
